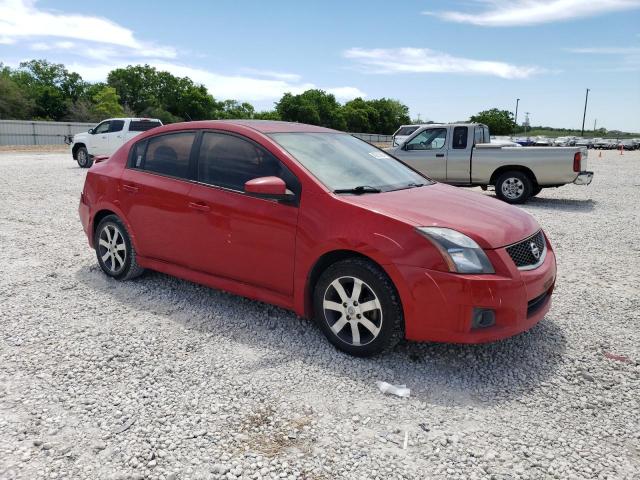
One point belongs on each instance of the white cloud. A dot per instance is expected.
(221, 86)
(22, 19)
(606, 50)
(290, 77)
(508, 13)
(424, 60)
(105, 45)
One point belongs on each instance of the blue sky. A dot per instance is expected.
(445, 59)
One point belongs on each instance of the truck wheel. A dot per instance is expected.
(514, 187)
(358, 309)
(83, 158)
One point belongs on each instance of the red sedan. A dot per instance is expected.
(322, 223)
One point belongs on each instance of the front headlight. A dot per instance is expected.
(460, 252)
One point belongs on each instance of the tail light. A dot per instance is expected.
(577, 158)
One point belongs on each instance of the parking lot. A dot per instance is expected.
(161, 378)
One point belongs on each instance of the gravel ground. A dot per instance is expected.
(164, 379)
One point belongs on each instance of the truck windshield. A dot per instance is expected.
(348, 164)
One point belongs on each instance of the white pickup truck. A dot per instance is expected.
(461, 154)
(106, 137)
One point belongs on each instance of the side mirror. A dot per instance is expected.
(268, 187)
(91, 131)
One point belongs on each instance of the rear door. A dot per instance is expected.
(154, 196)
(427, 152)
(459, 156)
(240, 236)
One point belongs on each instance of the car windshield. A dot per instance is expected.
(347, 164)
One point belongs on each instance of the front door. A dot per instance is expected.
(114, 136)
(242, 237)
(427, 153)
(100, 139)
(154, 196)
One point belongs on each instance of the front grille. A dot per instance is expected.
(534, 305)
(522, 253)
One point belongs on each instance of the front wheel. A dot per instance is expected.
(514, 187)
(116, 254)
(358, 308)
(83, 158)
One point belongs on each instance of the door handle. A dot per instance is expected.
(104, 136)
(440, 155)
(130, 188)
(201, 207)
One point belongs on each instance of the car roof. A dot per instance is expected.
(263, 126)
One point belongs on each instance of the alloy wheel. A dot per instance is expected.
(112, 248)
(512, 188)
(352, 310)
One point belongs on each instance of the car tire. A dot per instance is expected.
(83, 158)
(358, 308)
(514, 187)
(536, 191)
(114, 249)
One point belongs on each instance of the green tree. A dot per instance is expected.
(500, 122)
(50, 86)
(267, 115)
(313, 106)
(107, 103)
(391, 114)
(361, 116)
(14, 104)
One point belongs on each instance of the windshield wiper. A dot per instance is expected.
(358, 190)
(410, 185)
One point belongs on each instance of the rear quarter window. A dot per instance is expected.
(142, 125)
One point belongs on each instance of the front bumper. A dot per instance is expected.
(441, 305)
(584, 178)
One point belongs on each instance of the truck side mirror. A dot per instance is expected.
(91, 131)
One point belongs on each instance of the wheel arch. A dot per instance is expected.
(75, 148)
(325, 261)
(508, 168)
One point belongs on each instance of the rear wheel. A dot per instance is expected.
(116, 254)
(357, 308)
(83, 158)
(514, 187)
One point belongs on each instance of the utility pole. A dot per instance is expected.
(515, 120)
(584, 115)
(595, 122)
(526, 122)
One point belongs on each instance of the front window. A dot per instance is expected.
(102, 128)
(343, 162)
(432, 139)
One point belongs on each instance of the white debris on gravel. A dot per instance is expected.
(163, 379)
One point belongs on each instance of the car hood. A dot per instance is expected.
(80, 136)
(490, 222)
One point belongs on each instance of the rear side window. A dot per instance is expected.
(116, 126)
(143, 125)
(165, 154)
(460, 135)
(405, 131)
(478, 135)
(229, 161)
